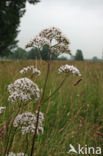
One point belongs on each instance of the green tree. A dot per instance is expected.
(79, 55)
(95, 58)
(18, 54)
(46, 52)
(33, 54)
(10, 13)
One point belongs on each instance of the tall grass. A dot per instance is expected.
(74, 115)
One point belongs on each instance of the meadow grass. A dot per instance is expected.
(74, 115)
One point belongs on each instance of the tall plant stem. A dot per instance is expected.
(8, 138)
(6, 149)
(38, 110)
(60, 85)
(11, 141)
(27, 144)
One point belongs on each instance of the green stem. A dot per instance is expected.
(60, 85)
(27, 144)
(11, 141)
(8, 137)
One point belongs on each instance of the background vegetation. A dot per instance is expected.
(10, 13)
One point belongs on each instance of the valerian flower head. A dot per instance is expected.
(53, 38)
(36, 71)
(23, 90)
(27, 122)
(30, 69)
(2, 109)
(38, 42)
(17, 154)
(69, 69)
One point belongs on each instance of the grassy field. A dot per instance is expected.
(74, 115)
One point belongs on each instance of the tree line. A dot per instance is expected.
(35, 53)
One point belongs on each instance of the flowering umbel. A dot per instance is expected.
(27, 122)
(53, 38)
(30, 69)
(2, 109)
(23, 90)
(69, 69)
(17, 154)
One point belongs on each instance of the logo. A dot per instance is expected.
(84, 150)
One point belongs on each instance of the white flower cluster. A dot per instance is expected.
(47, 36)
(69, 68)
(30, 68)
(2, 109)
(36, 71)
(18, 154)
(38, 42)
(24, 90)
(27, 122)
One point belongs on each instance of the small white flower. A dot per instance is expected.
(69, 69)
(36, 71)
(2, 109)
(26, 69)
(21, 154)
(30, 68)
(11, 154)
(38, 42)
(17, 154)
(27, 122)
(23, 90)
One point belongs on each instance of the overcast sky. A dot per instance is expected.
(80, 20)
